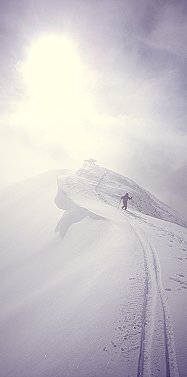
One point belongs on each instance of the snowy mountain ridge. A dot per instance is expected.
(88, 289)
(114, 185)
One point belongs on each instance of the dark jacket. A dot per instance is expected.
(126, 197)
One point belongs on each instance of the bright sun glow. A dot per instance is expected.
(55, 79)
(53, 72)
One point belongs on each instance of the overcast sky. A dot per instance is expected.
(133, 57)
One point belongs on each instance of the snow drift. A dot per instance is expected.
(86, 288)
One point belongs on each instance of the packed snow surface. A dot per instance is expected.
(88, 289)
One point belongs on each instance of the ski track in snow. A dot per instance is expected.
(153, 288)
(154, 296)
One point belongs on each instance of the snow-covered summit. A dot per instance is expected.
(93, 180)
(86, 288)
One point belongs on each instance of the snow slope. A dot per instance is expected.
(89, 290)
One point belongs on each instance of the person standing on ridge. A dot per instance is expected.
(125, 199)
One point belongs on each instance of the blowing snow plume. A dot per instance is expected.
(101, 299)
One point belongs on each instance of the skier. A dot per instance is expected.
(125, 199)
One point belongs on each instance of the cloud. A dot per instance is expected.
(135, 52)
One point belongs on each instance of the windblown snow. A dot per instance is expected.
(88, 289)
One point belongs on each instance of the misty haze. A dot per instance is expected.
(93, 188)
